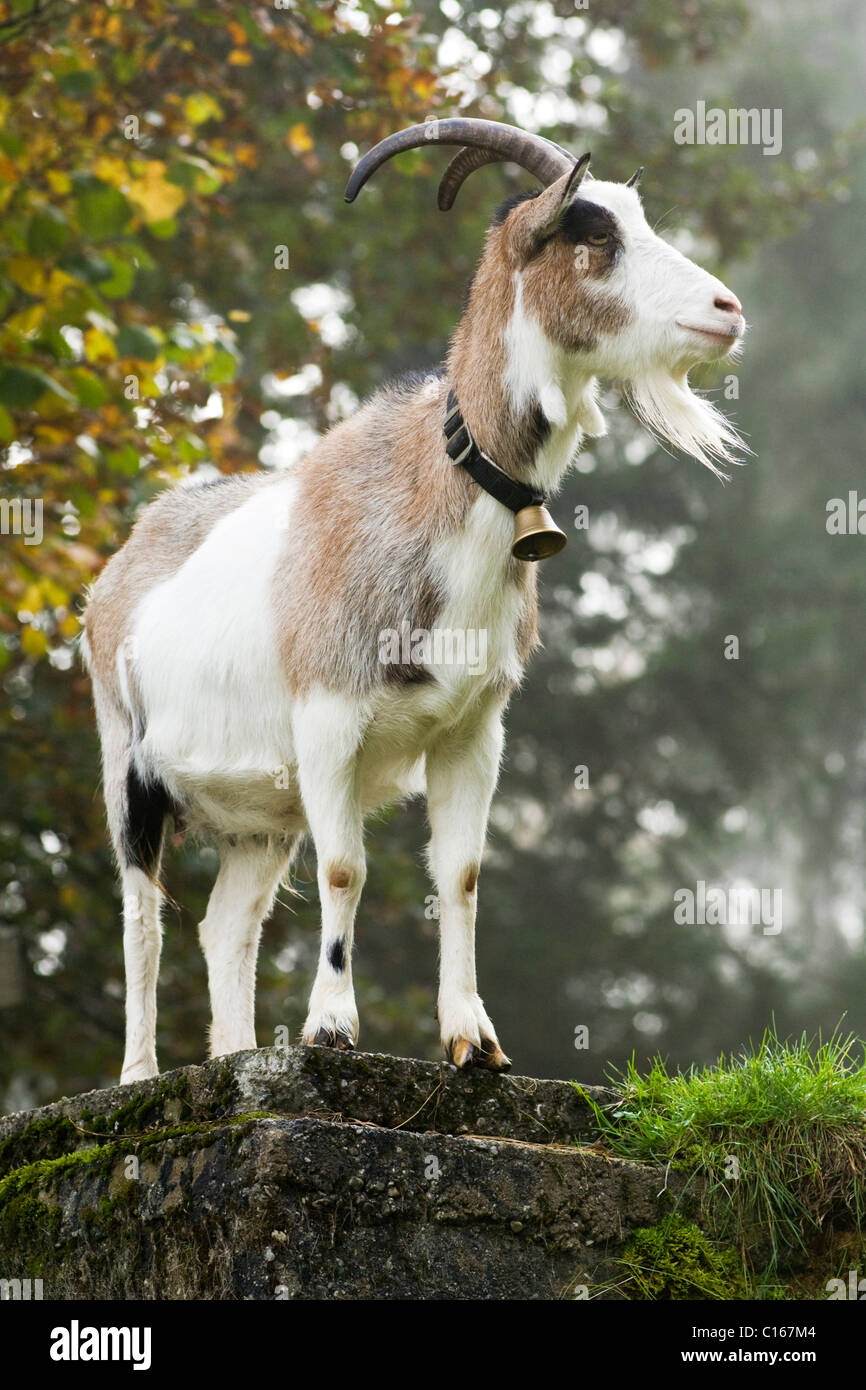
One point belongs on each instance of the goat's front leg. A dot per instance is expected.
(328, 731)
(461, 777)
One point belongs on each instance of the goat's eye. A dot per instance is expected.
(598, 238)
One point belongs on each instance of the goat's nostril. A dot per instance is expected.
(731, 305)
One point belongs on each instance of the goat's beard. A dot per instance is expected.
(666, 404)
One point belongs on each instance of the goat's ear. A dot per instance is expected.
(532, 222)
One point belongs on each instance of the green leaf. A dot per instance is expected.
(52, 341)
(48, 232)
(88, 388)
(134, 341)
(164, 229)
(20, 387)
(221, 368)
(7, 426)
(190, 449)
(120, 281)
(124, 460)
(77, 84)
(102, 210)
(192, 172)
(125, 66)
(94, 269)
(11, 144)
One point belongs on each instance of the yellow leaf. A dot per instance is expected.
(56, 285)
(27, 321)
(55, 597)
(33, 642)
(240, 58)
(59, 181)
(424, 85)
(70, 626)
(299, 139)
(28, 274)
(111, 169)
(32, 600)
(157, 198)
(239, 316)
(99, 346)
(200, 107)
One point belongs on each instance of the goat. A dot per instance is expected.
(235, 642)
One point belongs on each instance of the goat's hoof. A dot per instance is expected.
(326, 1038)
(489, 1055)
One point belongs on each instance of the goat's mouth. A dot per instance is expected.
(724, 337)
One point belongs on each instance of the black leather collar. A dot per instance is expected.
(461, 448)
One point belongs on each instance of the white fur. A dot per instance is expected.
(538, 370)
(211, 694)
(653, 354)
(142, 943)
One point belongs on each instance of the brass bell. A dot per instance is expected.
(536, 534)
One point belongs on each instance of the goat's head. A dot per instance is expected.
(610, 296)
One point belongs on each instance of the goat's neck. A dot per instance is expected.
(525, 400)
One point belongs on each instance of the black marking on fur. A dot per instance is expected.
(505, 207)
(583, 218)
(539, 427)
(147, 806)
(510, 203)
(399, 674)
(337, 954)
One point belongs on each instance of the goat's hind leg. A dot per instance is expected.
(145, 808)
(136, 816)
(142, 945)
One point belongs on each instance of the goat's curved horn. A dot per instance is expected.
(538, 156)
(635, 178)
(466, 161)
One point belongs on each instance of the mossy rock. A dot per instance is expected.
(676, 1260)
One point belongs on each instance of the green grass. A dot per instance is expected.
(774, 1139)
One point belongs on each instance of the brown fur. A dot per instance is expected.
(374, 496)
(555, 292)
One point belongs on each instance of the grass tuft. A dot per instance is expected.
(775, 1138)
